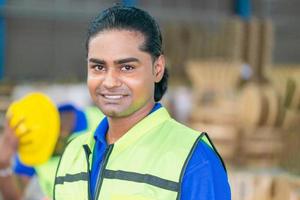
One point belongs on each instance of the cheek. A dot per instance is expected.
(141, 87)
(92, 85)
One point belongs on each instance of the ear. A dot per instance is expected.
(159, 68)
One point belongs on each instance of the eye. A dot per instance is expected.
(127, 68)
(98, 67)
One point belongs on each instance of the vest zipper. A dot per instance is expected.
(87, 155)
(102, 167)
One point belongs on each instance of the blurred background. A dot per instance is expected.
(234, 65)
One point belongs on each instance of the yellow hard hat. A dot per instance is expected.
(38, 127)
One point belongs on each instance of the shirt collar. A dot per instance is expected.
(155, 107)
(100, 133)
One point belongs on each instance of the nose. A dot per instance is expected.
(111, 80)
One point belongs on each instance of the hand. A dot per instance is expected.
(8, 145)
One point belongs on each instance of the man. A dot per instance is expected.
(138, 151)
(74, 121)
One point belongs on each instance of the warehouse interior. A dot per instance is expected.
(234, 73)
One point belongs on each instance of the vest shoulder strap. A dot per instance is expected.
(204, 137)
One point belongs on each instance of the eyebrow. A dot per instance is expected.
(98, 61)
(127, 60)
(121, 61)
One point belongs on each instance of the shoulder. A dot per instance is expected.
(203, 149)
(202, 154)
(178, 128)
(179, 135)
(77, 142)
(79, 138)
(75, 146)
(73, 155)
(205, 174)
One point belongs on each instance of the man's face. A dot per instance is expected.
(121, 77)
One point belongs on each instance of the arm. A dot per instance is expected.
(9, 188)
(205, 177)
(8, 145)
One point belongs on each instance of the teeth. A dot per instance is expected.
(113, 96)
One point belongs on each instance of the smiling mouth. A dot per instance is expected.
(113, 96)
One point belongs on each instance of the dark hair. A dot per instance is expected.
(131, 18)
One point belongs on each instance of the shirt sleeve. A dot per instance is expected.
(205, 177)
(22, 169)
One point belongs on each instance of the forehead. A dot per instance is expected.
(120, 32)
(116, 41)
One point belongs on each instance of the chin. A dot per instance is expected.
(113, 112)
(113, 115)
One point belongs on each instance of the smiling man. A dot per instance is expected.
(138, 152)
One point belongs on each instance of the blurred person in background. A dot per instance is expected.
(137, 151)
(19, 181)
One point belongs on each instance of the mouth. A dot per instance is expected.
(113, 96)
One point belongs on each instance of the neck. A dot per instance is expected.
(120, 126)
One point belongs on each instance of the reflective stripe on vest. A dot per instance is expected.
(146, 163)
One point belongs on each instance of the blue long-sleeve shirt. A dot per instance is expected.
(204, 177)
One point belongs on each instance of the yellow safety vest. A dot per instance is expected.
(147, 163)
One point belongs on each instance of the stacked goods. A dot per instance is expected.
(261, 115)
(178, 37)
(234, 32)
(292, 105)
(201, 40)
(291, 125)
(219, 121)
(281, 74)
(198, 42)
(251, 106)
(286, 187)
(269, 109)
(261, 147)
(291, 120)
(258, 46)
(214, 110)
(286, 79)
(267, 45)
(217, 114)
(216, 76)
(290, 159)
(260, 105)
(247, 185)
(264, 185)
(252, 43)
(230, 39)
